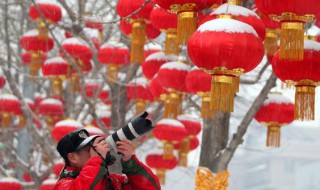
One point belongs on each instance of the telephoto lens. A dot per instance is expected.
(136, 128)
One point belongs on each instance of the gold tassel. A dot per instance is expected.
(161, 173)
(271, 42)
(274, 135)
(22, 121)
(165, 99)
(221, 181)
(112, 73)
(222, 93)
(187, 25)
(204, 179)
(168, 151)
(291, 41)
(206, 113)
(75, 81)
(183, 152)
(43, 31)
(6, 119)
(236, 83)
(140, 106)
(235, 2)
(35, 64)
(171, 44)
(304, 103)
(183, 159)
(57, 87)
(174, 105)
(138, 39)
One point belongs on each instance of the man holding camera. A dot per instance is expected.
(87, 159)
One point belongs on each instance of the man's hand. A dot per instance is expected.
(126, 148)
(101, 146)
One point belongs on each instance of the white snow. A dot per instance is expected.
(92, 33)
(152, 46)
(114, 44)
(233, 10)
(50, 181)
(49, 2)
(188, 118)
(170, 122)
(226, 25)
(105, 113)
(175, 65)
(311, 45)
(195, 68)
(140, 81)
(10, 180)
(56, 60)
(69, 123)
(31, 33)
(28, 101)
(161, 56)
(9, 97)
(51, 101)
(74, 41)
(92, 129)
(277, 98)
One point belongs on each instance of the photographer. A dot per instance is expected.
(87, 167)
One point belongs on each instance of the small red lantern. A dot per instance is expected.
(9, 183)
(187, 144)
(9, 105)
(194, 143)
(154, 61)
(19, 112)
(151, 48)
(225, 57)
(94, 131)
(276, 111)
(113, 54)
(94, 24)
(104, 95)
(105, 117)
(304, 76)
(56, 69)
(57, 167)
(94, 35)
(138, 90)
(152, 32)
(48, 184)
(64, 127)
(92, 89)
(156, 89)
(28, 58)
(192, 83)
(52, 110)
(157, 162)
(171, 132)
(2, 81)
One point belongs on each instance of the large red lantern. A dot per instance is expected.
(64, 127)
(187, 11)
(157, 162)
(9, 183)
(192, 83)
(138, 90)
(151, 31)
(304, 75)
(151, 48)
(154, 61)
(56, 69)
(48, 184)
(138, 22)
(9, 105)
(276, 111)
(167, 22)
(215, 47)
(171, 132)
(156, 89)
(292, 16)
(52, 110)
(113, 54)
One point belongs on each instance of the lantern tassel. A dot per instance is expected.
(206, 113)
(112, 73)
(304, 103)
(171, 45)
(222, 93)
(168, 151)
(291, 41)
(173, 105)
(6, 119)
(43, 31)
(274, 136)
(140, 106)
(184, 150)
(271, 42)
(236, 83)
(187, 24)
(22, 121)
(75, 81)
(138, 39)
(57, 87)
(161, 173)
(35, 64)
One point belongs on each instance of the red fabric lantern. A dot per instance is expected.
(94, 131)
(275, 112)
(304, 75)
(192, 125)
(28, 58)
(2, 81)
(152, 32)
(9, 105)
(31, 41)
(170, 131)
(192, 83)
(104, 95)
(57, 167)
(292, 16)
(51, 109)
(125, 27)
(105, 117)
(154, 61)
(238, 13)
(64, 127)
(92, 88)
(155, 88)
(9, 183)
(91, 23)
(50, 10)
(113, 54)
(138, 90)
(151, 48)
(156, 161)
(48, 184)
(194, 143)
(187, 14)
(225, 57)
(19, 112)
(94, 35)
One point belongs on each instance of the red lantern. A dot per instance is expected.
(156, 89)
(157, 162)
(152, 32)
(56, 69)
(192, 84)
(138, 35)
(91, 23)
(104, 95)
(19, 113)
(151, 48)
(138, 90)
(304, 76)
(187, 144)
(64, 127)
(9, 183)
(187, 11)
(292, 16)
(2, 81)
(26, 177)
(114, 55)
(48, 184)
(105, 117)
(194, 143)
(92, 88)
(28, 58)
(238, 13)
(170, 131)
(225, 57)
(192, 125)
(94, 131)
(154, 61)
(275, 112)
(57, 167)
(51, 109)
(94, 35)
(9, 105)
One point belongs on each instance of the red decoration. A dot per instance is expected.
(152, 32)
(155, 88)
(105, 117)
(9, 183)
(31, 41)
(151, 48)
(90, 23)
(9, 105)
(64, 127)
(194, 143)
(104, 95)
(127, 7)
(304, 75)
(2, 81)
(26, 177)
(51, 11)
(28, 57)
(92, 89)
(48, 184)
(94, 35)
(57, 167)
(55, 67)
(94, 131)
(52, 109)
(192, 125)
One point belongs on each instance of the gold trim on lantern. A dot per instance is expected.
(235, 2)
(175, 8)
(112, 73)
(310, 37)
(292, 16)
(271, 41)
(171, 42)
(140, 106)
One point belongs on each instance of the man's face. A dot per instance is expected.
(80, 157)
